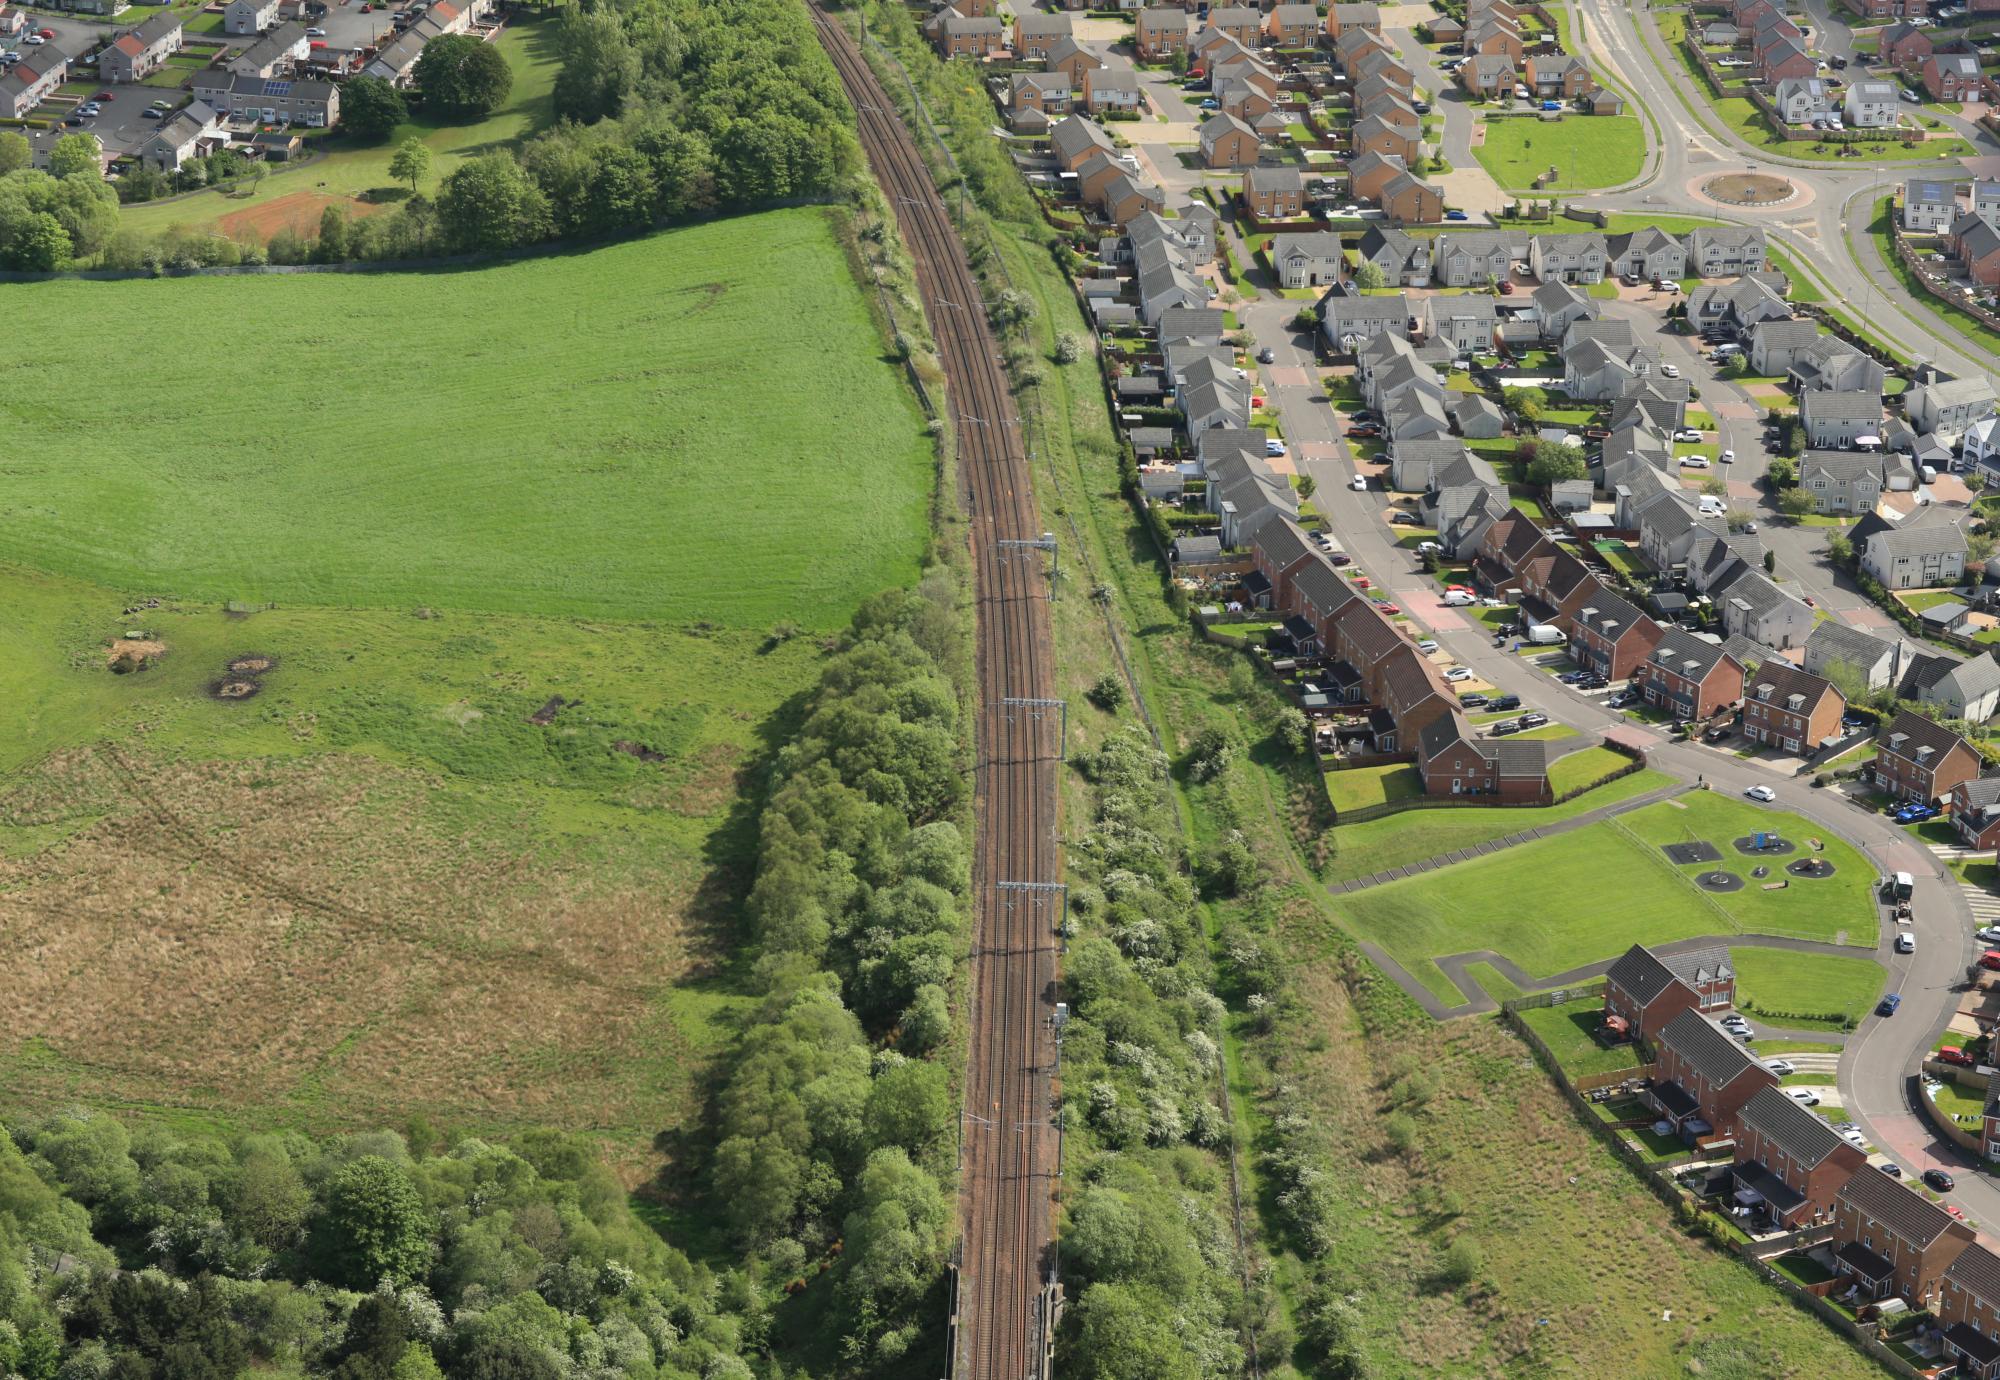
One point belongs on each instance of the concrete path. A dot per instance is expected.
(1478, 1003)
(1602, 812)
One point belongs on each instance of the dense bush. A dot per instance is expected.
(152, 1255)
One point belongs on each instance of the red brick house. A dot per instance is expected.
(1792, 1160)
(1553, 587)
(1968, 1311)
(1278, 553)
(1906, 47)
(1916, 759)
(1689, 677)
(1703, 1076)
(1784, 59)
(1406, 201)
(1952, 75)
(1363, 637)
(961, 35)
(1413, 692)
(1976, 244)
(1453, 762)
(1318, 596)
(1240, 22)
(1373, 134)
(1292, 25)
(1611, 637)
(1975, 812)
(1790, 709)
(1072, 59)
(1275, 193)
(1509, 544)
(1161, 31)
(1891, 1241)
(1226, 142)
(1646, 991)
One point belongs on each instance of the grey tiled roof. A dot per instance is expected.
(1710, 1053)
(1839, 642)
(1977, 1270)
(1793, 1129)
(1902, 1211)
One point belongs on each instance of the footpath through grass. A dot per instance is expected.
(1360, 850)
(697, 425)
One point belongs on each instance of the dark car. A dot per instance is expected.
(1472, 699)
(1716, 734)
(1504, 702)
(1267, 355)
(1892, 1169)
(1505, 727)
(1366, 430)
(1939, 1180)
(1533, 720)
(1887, 1006)
(1840, 64)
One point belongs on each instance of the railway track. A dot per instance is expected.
(1003, 1316)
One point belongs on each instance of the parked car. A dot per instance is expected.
(1764, 793)
(1952, 1054)
(152, 114)
(1782, 1067)
(1802, 1097)
(1532, 719)
(1472, 699)
(1358, 483)
(1456, 215)
(1887, 1006)
(1990, 960)
(1273, 446)
(1891, 1168)
(1672, 371)
(1687, 433)
(1987, 934)
(1458, 673)
(1906, 943)
(1505, 727)
(1716, 734)
(1340, 558)
(1940, 1180)
(1504, 702)
(1728, 457)
(1267, 355)
(1694, 462)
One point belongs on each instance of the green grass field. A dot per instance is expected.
(1567, 1031)
(351, 171)
(1364, 786)
(1561, 902)
(1588, 151)
(1398, 840)
(697, 425)
(1835, 990)
(1576, 769)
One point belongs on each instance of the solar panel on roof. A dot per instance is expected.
(277, 88)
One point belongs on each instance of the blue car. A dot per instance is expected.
(1456, 215)
(1888, 1005)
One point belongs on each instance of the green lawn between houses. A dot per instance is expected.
(1576, 769)
(1568, 1032)
(1362, 786)
(562, 435)
(1588, 151)
(354, 170)
(1561, 902)
(1817, 991)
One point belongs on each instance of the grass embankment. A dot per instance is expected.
(356, 175)
(1549, 905)
(461, 855)
(641, 431)
(1961, 321)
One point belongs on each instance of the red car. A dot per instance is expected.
(1952, 1054)
(1388, 608)
(46, 33)
(1990, 959)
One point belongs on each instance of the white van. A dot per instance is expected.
(1457, 599)
(1545, 634)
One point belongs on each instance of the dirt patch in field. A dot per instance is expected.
(546, 715)
(235, 688)
(340, 940)
(297, 211)
(133, 653)
(251, 664)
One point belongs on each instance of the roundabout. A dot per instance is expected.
(1749, 189)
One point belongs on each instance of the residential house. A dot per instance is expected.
(1347, 318)
(1478, 418)
(1790, 709)
(249, 16)
(1688, 677)
(1342, 19)
(1840, 481)
(1367, 172)
(1975, 813)
(1887, 9)
(1611, 637)
(1802, 100)
(1952, 76)
(1870, 104)
(1558, 306)
(1406, 201)
(1829, 364)
(1968, 1312)
(1891, 1241)
(1644, 991)
(191, 132)
(40, 72)
(963, 35)
(1073, 141)
(1916, 759)
(1160, 31)
(1837, 421)
(1948, 407)
(1227, 142)
(1380, 65)
(1649, 253)
(1599, 369)
(1495, 36)
(1927, 556)
(1841, 652)
(1446, 28)
(1905, 47)
(1557, 76)
(1720, 251)
(1775, 345)
(140, 52)
(1602, 100)
(1976, 245)
(1485, 75)
(1469, 258)
(1312, 260)
(1239, 22)
(1374, 134)
(1412, 690)
(1275, 193)
(1453, 762)
(1465, 321)
(1790, 1162)
(1782, 58)
(273, 54)
(1405, 260)
(1753, 607)
(1572, 258)
(1279, 552)
(1292, 26)
(1968, 690)
(1111, 90)
(313, 104)
(1702, 1075)
(1350, 46)
(1072, 59)
(1986, 201)
(1554, 587)
(1319, 597)
(1037, 32)
(1736, 306)
(1038, 98)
